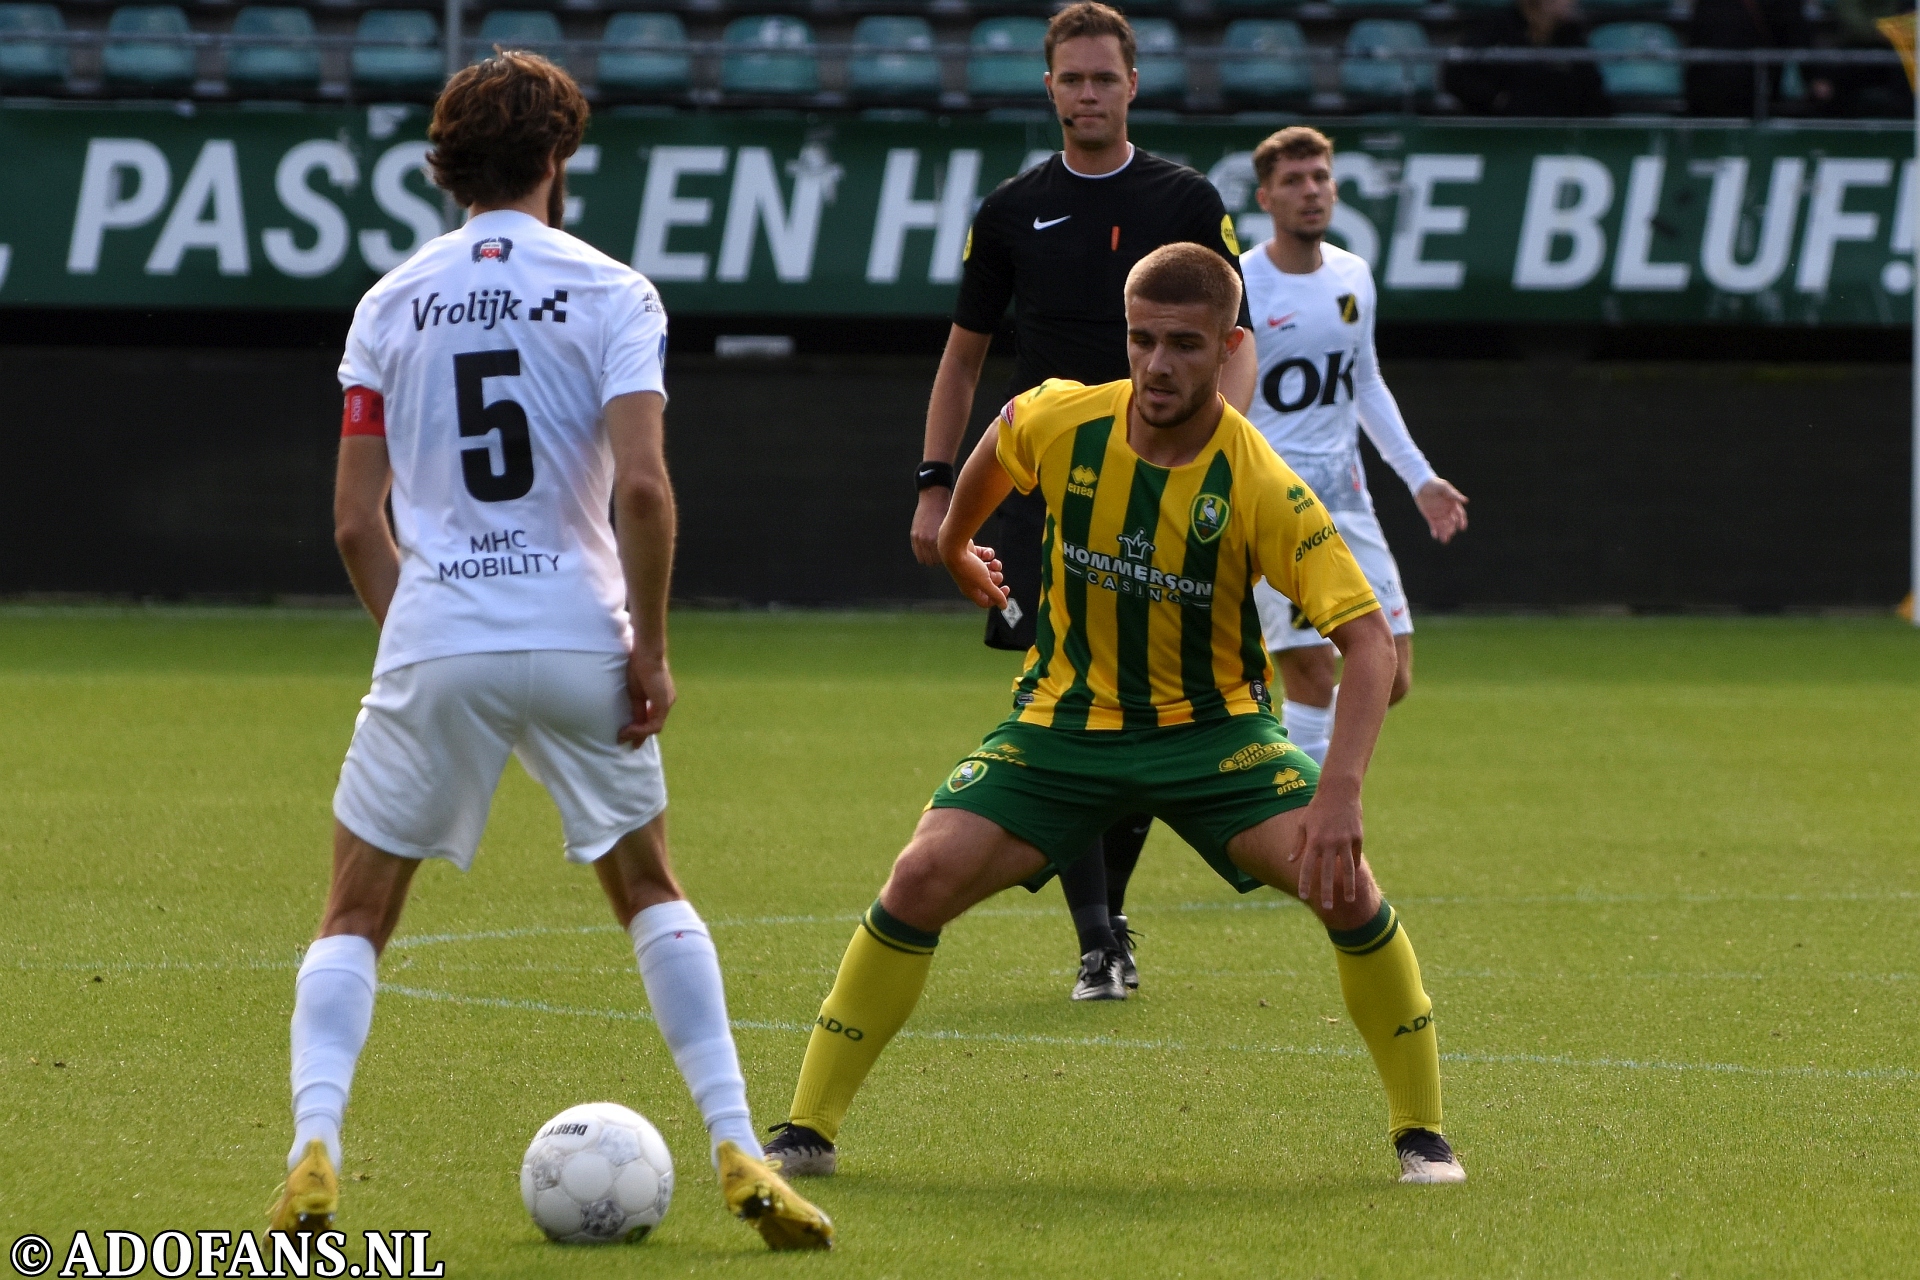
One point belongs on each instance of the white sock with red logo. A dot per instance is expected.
(332, 1012)
(1310, 728)
(681, 971)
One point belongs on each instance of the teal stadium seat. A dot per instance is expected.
(160, 61)
(534, 30)
(290, 67)
(1280, 76)
(1256, 8)
(1007, 58)
(645, 71)
(1370, 80)
(407, 59)
(769, 55)
(1388, 4)
(1163, 68)
(1638, 79)
(26, 63)
(893, 59)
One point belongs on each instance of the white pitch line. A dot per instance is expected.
(1263, 903)
(1175, 1046)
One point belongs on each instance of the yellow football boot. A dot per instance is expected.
(762, 1197)
(311, 1195)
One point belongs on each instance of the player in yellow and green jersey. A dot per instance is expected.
(1147, 690)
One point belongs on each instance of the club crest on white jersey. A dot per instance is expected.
(496, 348)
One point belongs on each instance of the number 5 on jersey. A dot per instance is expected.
(497, 461)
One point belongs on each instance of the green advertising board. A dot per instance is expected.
(1643, 221)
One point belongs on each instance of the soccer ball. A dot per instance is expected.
(597, 1173)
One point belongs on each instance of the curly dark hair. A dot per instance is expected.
(498, 122)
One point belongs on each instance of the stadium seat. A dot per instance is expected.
(161, 61)
(1007, 58)
(1638, 79)
(25, 62)
(293, 66)
(1163, 71)
(645, 71)
(1369, 79)
(534, 30)
(769, 55)
(1280, 76)
(410, 57)
(893, 59)
(1389, 4)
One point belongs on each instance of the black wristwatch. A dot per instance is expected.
(933, 475)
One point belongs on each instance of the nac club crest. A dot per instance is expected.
(1209, 516)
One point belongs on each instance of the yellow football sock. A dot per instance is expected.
(879, 983)
(1380, 979)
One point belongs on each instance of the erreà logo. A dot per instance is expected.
(492, 249)
(1083, 474)
(969, 772)
(1209, 515)
(1349, 308)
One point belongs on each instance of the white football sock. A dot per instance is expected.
(332, 1010)
(1310, 728)
(681, 971)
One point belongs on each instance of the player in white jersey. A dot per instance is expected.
(504, 386)
(1313, 309)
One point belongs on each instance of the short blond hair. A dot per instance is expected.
(1295, 142)
(1184, 273)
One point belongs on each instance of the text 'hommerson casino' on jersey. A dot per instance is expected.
(1147, 615)
(494, 351)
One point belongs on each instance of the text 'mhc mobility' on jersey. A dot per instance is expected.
(496, 349)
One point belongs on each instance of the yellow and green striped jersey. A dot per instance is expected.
(1147, 615)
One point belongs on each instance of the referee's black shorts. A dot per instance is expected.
(1023, 522)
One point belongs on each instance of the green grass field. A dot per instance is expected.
(1660, 874)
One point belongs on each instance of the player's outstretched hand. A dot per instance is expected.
(976, 571)
(926, 523)
(1328, 859)
(650, 688)
(1445, 508)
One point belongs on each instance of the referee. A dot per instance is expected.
(1057, 242)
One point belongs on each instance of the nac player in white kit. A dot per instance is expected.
(505, 385)
(1312, 306)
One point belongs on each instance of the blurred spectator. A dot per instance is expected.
(1724, 89)
(1865, 91)
(1529, 88)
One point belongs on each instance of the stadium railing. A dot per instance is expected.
(1415, 78)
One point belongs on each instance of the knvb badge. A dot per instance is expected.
(492, 249)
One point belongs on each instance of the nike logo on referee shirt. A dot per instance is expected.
(1042, 226)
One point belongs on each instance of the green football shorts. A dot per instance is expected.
(1058, 789)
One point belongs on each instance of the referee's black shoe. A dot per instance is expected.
(1100, 979)
(1126, 936)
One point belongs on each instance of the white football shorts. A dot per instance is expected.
(1286, 628)
(433, 737)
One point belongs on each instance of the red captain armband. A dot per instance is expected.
(365, 413)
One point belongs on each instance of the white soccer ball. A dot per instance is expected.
(597, 1173)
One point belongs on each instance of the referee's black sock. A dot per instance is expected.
(1120, 852)
(1085, 884)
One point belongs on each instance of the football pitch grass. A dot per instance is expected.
(1660, 874)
